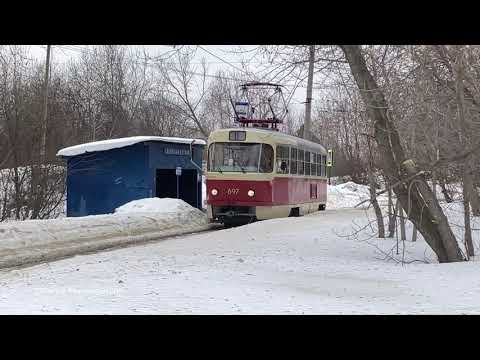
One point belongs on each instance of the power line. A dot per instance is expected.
(153, 65)
(79, 49)
(293, 87)
(226, 62)
(70, 47)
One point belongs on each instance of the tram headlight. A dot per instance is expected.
(214, 192)
(251, 193)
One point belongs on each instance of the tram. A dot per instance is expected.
(256, 173)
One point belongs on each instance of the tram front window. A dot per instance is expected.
(240, 157)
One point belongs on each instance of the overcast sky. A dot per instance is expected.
(62, 53)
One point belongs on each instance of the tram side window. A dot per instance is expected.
(266, 159)
(283, 159)
(307, 163)
(319, 166)
(324, 158)
(293, 161)
(314, 164)
(300, 162)
(325, 165)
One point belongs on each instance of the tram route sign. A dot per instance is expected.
(178, 171)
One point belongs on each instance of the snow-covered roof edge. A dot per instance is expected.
(121, 142)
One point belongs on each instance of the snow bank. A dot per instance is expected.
(159, 206)
(119, 143)
(41, 240)
(349, 194)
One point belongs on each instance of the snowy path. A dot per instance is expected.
(283, 266)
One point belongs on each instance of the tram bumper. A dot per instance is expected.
(232, 214)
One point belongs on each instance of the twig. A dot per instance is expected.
(394, 185)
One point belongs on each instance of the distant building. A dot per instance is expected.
(104, 175)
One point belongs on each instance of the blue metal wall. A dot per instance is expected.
(99, 182)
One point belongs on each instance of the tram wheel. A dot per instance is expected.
(294, 212)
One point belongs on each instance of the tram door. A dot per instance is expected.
(166, 185)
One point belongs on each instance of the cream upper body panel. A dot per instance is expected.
(256, 135)
(225, 175)
(273, 138)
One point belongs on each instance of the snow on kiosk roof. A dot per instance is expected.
(121, 142)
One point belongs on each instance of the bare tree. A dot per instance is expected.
(181, 81)
(373, 187)
(422, 207)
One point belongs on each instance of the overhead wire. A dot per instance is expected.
(224, 61)
(293, 87)
(79, 49)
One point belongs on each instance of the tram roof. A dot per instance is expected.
(268, 136)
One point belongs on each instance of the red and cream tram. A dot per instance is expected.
(256, 174)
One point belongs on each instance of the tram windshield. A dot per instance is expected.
(240, 157)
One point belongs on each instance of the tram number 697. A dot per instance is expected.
(233, 191)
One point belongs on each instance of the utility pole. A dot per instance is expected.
(38, 180)
(308, 104)
(43, 150)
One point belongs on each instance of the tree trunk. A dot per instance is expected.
(16, 182)
(414, 233)
(470, 189)
(402, 221)
(376, 207)
(434, 183)
(391, 215)
(466, 209)
(474, 201)
(445, 192)
(422, 207)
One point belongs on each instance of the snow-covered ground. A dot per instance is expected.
(283, 266)
(329, 262)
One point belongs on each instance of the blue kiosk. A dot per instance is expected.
(103, 175)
